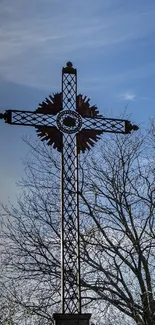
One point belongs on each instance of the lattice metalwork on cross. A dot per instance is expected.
(71, 125)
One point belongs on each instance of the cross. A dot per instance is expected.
(68, 123)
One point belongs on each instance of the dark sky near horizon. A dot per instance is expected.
(111, 43)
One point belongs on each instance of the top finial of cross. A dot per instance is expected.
(69, 68)
(69, 64)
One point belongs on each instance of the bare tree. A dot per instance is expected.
(117, 202)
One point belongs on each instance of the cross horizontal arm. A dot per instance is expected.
(110, 125)
(28, 118)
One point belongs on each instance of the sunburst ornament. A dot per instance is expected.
(68, 121)
(51, 134)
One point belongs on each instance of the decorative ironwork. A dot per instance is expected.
(87, 138)
(83, 107)
(51, 105)
(71, 292)
(105, 124)
(28, 118)
(67, 122)
(70, 122)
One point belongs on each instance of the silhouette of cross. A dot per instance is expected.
(68, 123)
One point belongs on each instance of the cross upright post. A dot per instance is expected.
(68, 123)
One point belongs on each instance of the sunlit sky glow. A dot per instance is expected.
(111, 43)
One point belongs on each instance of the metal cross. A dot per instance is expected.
(68, 123)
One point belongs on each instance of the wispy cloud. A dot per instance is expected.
(130, 96)
(41, 34)
(111, 42)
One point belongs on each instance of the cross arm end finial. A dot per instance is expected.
(135, 127)
(130, 127)
(2, 116)
(6, 116)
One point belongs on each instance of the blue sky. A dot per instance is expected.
(111, 43)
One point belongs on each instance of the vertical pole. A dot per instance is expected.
(69, 225)
(77, 220)
(62, 217)
(78, 229)
(62, 235)
(70, 245)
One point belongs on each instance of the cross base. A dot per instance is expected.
(71, 319)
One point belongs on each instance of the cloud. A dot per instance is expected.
(130, 96)
(45, 33)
